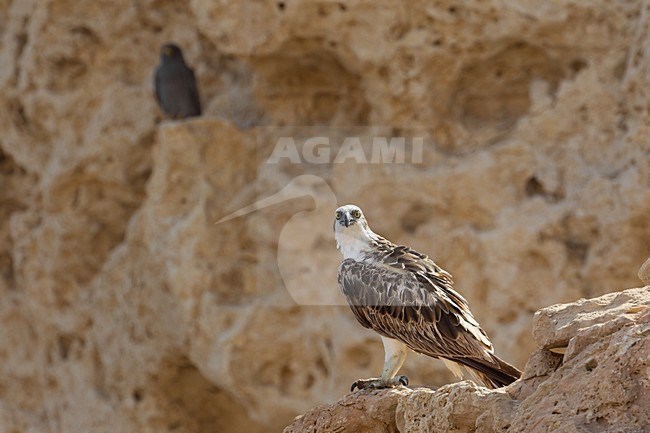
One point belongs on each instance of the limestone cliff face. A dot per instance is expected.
(125, 308)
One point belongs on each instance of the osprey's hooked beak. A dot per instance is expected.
(347, 219)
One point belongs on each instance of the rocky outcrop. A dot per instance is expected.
(598, 384)
(644, 272)
(125, 305)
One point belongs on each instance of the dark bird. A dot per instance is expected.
(175, 85)
(409, 301)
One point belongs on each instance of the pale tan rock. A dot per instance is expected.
(644, 273)
(601, 388)
(459, 407)
(541, 364)
(366, 411)
(556, 325)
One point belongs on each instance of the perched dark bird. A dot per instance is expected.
(409, 301)
(175, 85)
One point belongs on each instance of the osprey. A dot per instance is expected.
(409, 301)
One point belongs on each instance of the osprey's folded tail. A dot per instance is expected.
(492, 376)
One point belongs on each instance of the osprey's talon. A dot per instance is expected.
(403, 380)
(377, 383)
(367, 383)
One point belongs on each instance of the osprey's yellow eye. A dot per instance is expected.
(356, 213)
(339, 214)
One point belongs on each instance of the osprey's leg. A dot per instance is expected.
(394, 356)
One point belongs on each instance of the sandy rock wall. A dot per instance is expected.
(125, 308)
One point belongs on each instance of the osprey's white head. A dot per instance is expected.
(353, 236)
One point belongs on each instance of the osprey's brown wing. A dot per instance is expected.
(405, 296)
